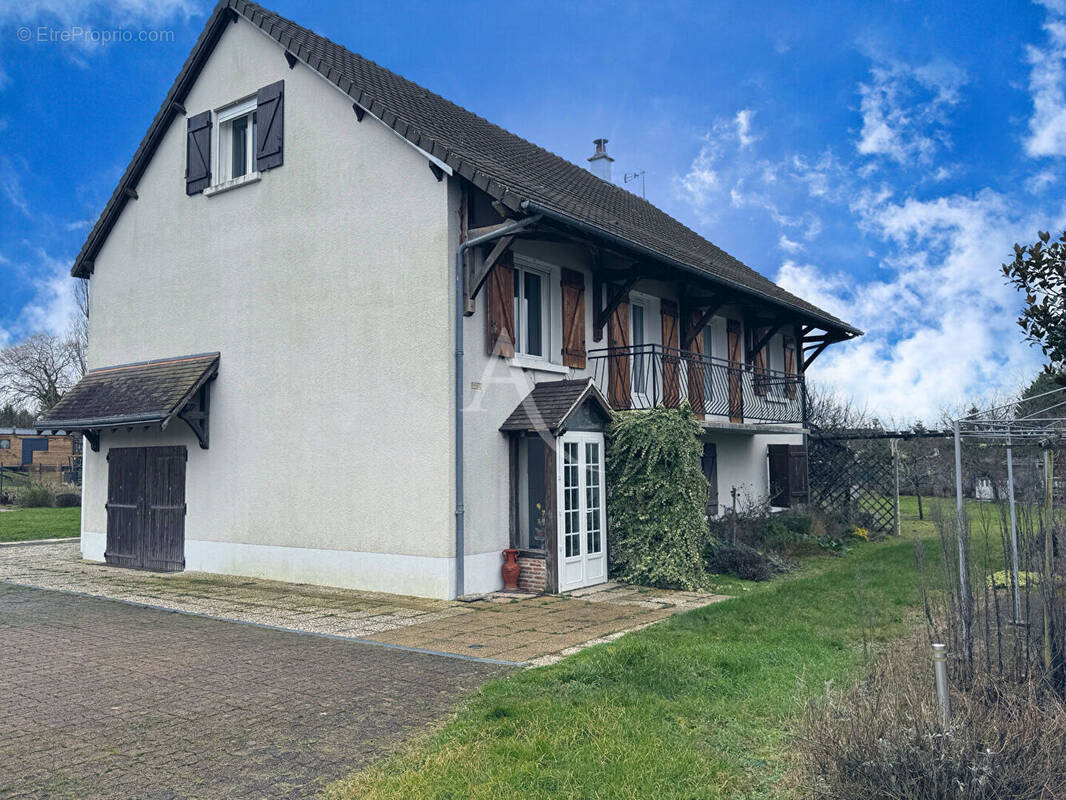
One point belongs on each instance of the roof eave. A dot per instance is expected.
(824, 322)
(221, 16)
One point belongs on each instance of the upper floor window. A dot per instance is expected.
(237, 128)
(531, 312)
(233, 145)
(5, 444)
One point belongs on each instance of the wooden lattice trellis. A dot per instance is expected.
(857, 484)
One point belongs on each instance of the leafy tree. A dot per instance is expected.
(1039, 271)
(13, 417)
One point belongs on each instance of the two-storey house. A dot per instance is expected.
(345, 332)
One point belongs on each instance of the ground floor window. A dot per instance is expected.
(532, 494)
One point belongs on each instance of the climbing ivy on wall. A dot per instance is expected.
(656, 498)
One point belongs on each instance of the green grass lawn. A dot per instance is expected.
(23, 524)
(700, 706)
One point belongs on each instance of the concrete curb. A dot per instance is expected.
(31, 542)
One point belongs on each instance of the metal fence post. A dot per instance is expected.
(940, 670)
(960, 510)
(895, 460)
(1013, 536)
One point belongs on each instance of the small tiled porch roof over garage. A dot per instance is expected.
(145, 393)
(552, 404)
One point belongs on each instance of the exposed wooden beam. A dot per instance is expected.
(502, 244)
(130, 192)
(502, 210)
(473, 233)
(817, 352)
(618, 293)
(438, 173)
(291, 59)
(691, 332)
(766, 337)
(176, 106)
(94, 440)
(360, 112)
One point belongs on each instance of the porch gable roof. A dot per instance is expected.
(142, 393)
(551, 403)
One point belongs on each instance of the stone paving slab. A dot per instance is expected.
(102, 699)
(511, 627)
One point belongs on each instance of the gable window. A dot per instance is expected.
(530, 312)
(237, 129)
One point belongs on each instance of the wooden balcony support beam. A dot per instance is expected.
(689, 333)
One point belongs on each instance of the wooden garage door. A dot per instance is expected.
(146, 507)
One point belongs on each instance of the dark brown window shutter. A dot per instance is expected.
(198, 153)
(499, 304)
(790, 366)
(573, 284)
(736, 370)
(671, 362)
(758, 361)
(619, 385)
(270, 126)
(780, 495)
(797, 474)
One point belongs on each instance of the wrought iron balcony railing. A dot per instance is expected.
(646, 376)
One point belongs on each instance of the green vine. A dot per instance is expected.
(656, 498)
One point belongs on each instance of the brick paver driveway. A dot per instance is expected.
(100, 699)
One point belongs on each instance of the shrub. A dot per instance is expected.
(68, 500)
(884, 739)
(36, 495)
(740, 560)
(656, 498)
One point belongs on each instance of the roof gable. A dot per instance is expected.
(512, 170)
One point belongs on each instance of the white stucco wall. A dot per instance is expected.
(331, 419)
(743, 465)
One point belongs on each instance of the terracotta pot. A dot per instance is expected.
(510, 569)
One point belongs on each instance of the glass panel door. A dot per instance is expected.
(582, 537)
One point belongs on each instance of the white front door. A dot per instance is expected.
(582, 517)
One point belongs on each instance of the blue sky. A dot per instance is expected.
(879, 159)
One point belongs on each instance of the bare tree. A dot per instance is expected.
(37, 371)
(830, 411)
(78, 339)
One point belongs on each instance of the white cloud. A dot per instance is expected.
(742, 123)
(1040, 181)
(53, 304)
(11, 186)
(905, 110)
(97, 13)
(940, 323)
(1047, 87)
(788, 245)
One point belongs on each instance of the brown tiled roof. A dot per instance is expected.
(550, 403)
(145, 392)
(519, 174)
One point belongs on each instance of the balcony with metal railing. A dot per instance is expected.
(646, 376)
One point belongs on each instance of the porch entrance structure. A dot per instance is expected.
(558, 482)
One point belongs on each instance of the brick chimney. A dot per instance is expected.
(600, 162)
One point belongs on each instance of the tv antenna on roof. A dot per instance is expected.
(632, 176)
